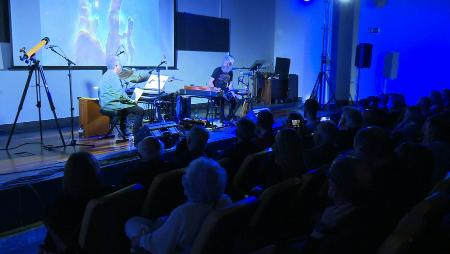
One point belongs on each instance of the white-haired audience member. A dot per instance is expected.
(204, 184)
(152, 162)
(191, 147)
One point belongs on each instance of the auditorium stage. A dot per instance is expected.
(30, 161)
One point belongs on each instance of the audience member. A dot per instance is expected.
(152, 162)
(288, 157)
(409, 129)
(437, 102)
(384, 98)
(325, 149)
(396, 106)
(191, 147)
(436, 136)
(245, 145)
(374, 147)
(264, 126)
(416, 164)
(350, 122)
(375, 117)
(352, 224)
(310, 110)
(80, 185)
(446, 98)
(424, 104)
(204, 184)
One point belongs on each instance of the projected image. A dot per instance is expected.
(90, 30)
(141, 32)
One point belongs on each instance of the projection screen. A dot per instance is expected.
(86, 31)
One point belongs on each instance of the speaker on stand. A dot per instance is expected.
(363, 60)
(390, 68)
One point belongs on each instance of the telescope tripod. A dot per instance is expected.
(39, 76)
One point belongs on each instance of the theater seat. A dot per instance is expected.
(166, 192)
(220, 229)
(418, 231)
(102, 228)
(250, 172)
(308, 201)
(267, 224)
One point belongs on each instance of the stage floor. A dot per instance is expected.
(31, 159)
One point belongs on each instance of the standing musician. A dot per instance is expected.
(112, 93)
(221, 78)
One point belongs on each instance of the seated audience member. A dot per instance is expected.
(446, 98)
(409, 129)
(264, 127)
(373, 102)
(80, 185)
(288, 158)
(436, 136)
(375, 117)
(296, 122)
(384, 98)
(325, 149)
(349, 123)
(310, 110)
(351, 224)
(374, 147)
(204, 184)
(245, 145)
(424, 104)
(152, 162)
(396, 107)
(437, 102)
(191, 147)
(416, 165)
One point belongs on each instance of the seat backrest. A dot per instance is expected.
(166, 192)
(249, 173)
(102, 228)
(274, 202)
(417, 225)
(311, 198)
(220, 229)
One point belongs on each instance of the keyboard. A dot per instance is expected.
(201, 91)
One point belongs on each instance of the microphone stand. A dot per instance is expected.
(73, 142)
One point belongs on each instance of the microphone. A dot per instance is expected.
(165, 62)
(30, 53)
(51, 46)
(121, 52)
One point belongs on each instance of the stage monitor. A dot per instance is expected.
(141, 32)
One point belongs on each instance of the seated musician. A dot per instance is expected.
(221, 78)
(112, 93)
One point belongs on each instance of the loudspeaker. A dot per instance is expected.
(91, 120)
(282, 67)
(278, 90)
(390, 70)
(292, 92)
(363, 57)
(183, 107)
